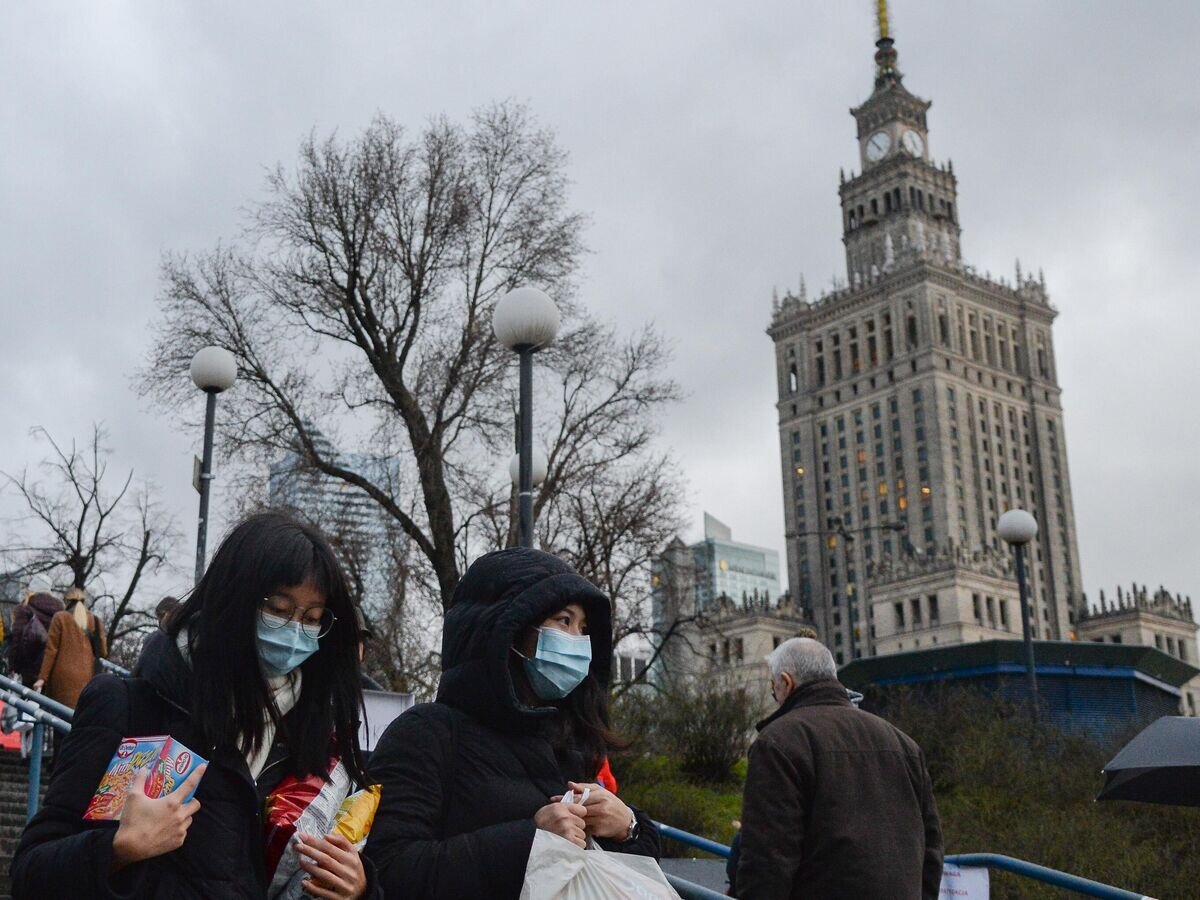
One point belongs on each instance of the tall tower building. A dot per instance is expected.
(917, 402)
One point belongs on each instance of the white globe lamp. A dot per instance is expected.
(213, 370)
(1017, 527)
(525, 319)
(540, 467)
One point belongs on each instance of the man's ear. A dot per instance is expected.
(788, 683)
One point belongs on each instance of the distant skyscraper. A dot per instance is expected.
(725, 568)
(917, 402)
(351, 519)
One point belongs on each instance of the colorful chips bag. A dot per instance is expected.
(312, 806)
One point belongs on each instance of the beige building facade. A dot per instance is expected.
(917, 401)
(1151, 620)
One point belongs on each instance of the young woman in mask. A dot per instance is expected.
(258, 673)
(521, 718)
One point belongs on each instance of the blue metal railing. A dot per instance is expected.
(30, 695)
(689, 891)
(43, 711)
(114, 668)
(693, 840)
(1043, 874)
(1020, 867)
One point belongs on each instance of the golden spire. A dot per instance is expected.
(885, 54)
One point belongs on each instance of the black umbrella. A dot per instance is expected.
(1160, 765)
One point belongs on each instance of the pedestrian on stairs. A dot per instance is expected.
(74, 648)
(30, 631)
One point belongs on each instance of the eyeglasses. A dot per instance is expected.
(316, 621)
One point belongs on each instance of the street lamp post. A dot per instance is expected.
(213, 370)
(525, 321)
(1017, 528)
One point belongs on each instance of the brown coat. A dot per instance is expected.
(69, 662)
(838, 805)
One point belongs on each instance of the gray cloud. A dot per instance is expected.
(705, 143)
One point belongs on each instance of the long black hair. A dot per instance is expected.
(587, 726)
(231, 699)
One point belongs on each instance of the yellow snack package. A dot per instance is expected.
(356, 815)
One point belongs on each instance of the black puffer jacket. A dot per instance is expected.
(463, 777)
(61, 855)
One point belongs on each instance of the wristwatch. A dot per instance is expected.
(634, 830)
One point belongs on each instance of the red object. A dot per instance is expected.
(606, 777)
(283, 808)
(10, 741)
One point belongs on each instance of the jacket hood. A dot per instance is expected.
(45, 605)
(163, 666)
(501, 595)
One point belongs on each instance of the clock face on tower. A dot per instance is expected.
(878, 146)
(913, 143)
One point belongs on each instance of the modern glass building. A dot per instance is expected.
(727, 568)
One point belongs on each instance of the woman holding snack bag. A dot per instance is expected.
(257, 673)
(521, 719)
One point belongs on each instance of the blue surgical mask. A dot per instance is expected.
(560, 663)
(283, 649)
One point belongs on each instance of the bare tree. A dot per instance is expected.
(106, 533)
(358, 305)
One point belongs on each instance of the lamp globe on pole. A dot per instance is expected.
(526, 320)
(540, 467)
(1017, 528)
(213, 370)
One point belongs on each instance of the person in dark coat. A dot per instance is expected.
(521, 717)
(27, 642)
(255, 675)
(838, 802)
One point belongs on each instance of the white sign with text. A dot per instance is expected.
(964, 883)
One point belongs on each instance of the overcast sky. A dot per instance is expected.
(705, 142)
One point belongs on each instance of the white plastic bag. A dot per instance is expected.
(558, 870)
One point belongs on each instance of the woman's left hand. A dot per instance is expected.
(334, 867)
(607, 816)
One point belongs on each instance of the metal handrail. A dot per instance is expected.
(1019, 867)
(1084, 886)
(693, 840)
(114, 668)
(689, 891)
(34, 711)
(27, 693)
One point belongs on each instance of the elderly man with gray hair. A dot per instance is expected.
(838, 802)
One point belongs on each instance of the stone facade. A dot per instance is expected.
(948, 597)
(732, 640)
(1139, 617)
(917, 401)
